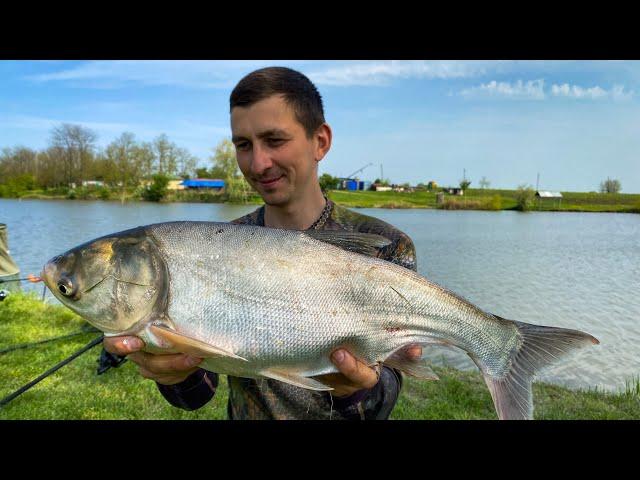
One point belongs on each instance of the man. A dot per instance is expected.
(280, 135)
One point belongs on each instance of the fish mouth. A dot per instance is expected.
(47, 274)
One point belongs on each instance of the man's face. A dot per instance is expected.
(273, 151)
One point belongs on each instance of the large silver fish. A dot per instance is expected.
(260, 302)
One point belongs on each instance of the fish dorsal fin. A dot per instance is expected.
(188, 345)
(365, 243)
(294, 379)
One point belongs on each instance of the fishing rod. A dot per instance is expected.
(40, 342)
(31, 278)
(53, 369)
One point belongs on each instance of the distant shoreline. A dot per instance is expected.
(474, 199)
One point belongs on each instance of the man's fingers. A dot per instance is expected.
(414, 353)
(161, 364)
(122, 345)
(352, 368)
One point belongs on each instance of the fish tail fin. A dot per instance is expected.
(540, 347)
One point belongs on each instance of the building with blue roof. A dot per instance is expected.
(208, 183)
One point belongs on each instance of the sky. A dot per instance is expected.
(574, 123)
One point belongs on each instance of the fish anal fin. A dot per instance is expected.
(294, 379)
(412, 368)
(400, 360)
(188, 345)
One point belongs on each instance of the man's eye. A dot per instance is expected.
(275, 142)
(242, 146)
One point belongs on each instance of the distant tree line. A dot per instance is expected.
(73, 157)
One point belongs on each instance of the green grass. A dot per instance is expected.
(368, 199)
(489, 199)
(76, 392)
(463, 395)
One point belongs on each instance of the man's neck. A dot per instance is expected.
(295, 215)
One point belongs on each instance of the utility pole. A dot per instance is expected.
(381, 174)
(537, 181)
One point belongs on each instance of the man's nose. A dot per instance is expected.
(261, 161)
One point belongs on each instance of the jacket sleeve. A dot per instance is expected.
(192, 393)
(375, 403)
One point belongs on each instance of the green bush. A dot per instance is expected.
(16, 186)
(157, 190)
(328, 182)
(237, 190)
(104, 193)
(524, 198)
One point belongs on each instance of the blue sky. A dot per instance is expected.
(573, 122)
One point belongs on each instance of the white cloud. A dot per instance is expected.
(184, 73)
(592, 93)
(224, 74)
(533, 89)
(381, 73)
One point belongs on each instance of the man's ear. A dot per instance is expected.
(323, 137)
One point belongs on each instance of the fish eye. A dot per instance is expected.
(65, 287)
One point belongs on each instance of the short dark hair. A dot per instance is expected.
(297, 90)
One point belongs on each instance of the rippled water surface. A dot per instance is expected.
(573, 270)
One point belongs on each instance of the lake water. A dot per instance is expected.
(573, 270)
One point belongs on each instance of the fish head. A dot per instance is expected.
(115, 282)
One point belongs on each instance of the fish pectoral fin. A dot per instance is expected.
(189, 345)
(294, 379)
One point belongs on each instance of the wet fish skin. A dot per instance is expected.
(276, 303)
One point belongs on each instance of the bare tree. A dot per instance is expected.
(186, 163)
(49, 172)
(120, 155)
(18, 161)
(163, 150)
(145, 158)
(484, 183)
(77, 145)
(610, 186)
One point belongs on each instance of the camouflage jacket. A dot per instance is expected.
(271, 399)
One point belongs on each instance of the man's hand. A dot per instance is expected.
(354, 374)
(164, 369)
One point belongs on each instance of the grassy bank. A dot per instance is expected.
(473, 199)
(76, 392)
(489, 199)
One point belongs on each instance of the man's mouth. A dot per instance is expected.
(269, 182)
